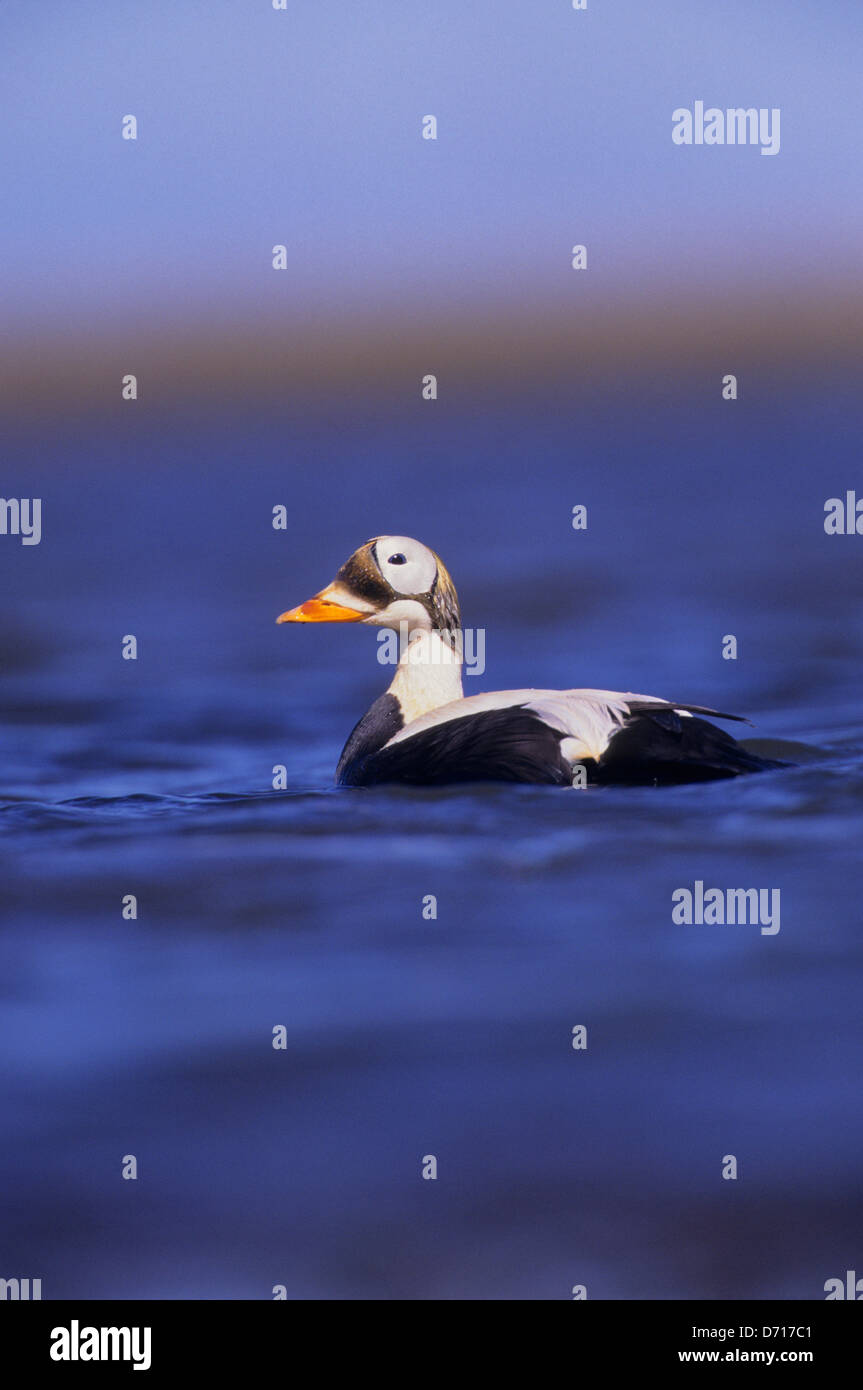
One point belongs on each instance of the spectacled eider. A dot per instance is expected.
(424, 732)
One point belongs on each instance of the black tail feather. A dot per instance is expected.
(657, 746)
(648, 706)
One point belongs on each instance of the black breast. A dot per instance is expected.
(375, 728)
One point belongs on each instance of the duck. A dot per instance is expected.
(424, 731)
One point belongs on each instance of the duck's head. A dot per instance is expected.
(389, 581)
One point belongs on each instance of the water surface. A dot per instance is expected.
(304, 908)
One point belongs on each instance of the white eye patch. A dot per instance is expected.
(405, 564)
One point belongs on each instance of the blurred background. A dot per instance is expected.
(303, 388)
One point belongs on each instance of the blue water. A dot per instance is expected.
(303, 908)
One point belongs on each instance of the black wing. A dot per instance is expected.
(501, 745)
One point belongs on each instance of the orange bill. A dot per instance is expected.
(321, 609)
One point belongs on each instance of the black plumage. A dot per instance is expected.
(657, 746)
(380, 723)
(501, 745)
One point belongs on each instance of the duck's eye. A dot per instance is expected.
(397, 559)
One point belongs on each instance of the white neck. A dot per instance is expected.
(428, 674)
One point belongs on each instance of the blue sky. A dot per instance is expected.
(303, 127)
